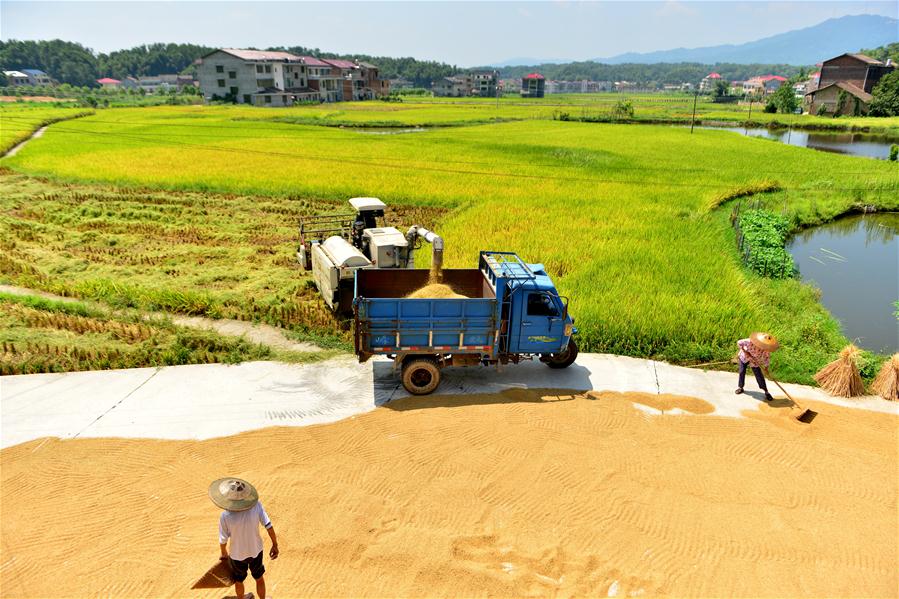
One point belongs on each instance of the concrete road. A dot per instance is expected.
(214, 400)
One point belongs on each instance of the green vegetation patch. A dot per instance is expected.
(763, 243)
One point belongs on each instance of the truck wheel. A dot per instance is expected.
(565, 358)
(420, 377)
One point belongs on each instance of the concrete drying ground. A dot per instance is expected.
(214, 400)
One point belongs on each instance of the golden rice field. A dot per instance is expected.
(623, 216)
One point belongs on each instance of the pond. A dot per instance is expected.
(869, 145)
(854, 261)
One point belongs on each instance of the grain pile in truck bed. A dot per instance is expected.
(435, 291)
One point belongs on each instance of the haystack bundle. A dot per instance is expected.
(886, 384)
(841, 378)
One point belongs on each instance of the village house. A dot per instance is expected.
(457, 86)
(374, 86)
(325, 78)
(707, 85)
(163, 83)
(533, 85)
(845, 84)
(484, 83)
(109, 83)
(257, 77)
(16, 78)
(401, 83)
(763, 85)
(38, 77)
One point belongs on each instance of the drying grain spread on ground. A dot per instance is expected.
(518, 494)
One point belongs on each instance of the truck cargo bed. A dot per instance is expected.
(387, 322)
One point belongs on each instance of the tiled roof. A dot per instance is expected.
(533, 76)
(341, 64)
(312, 61)
(107, 80)
(864, 58)
(713, 76)
(33, 71)
(852, 89)
(261, 55)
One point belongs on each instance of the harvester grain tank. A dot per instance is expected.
(510, 311)
(335, 246)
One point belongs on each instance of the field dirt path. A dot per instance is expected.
(264, 334)
(15, 149)
(523, 493)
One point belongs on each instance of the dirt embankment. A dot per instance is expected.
(519, 494)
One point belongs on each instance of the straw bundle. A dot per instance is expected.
(841, 377)
(886, 384)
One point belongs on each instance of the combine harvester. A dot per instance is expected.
(507, 311)
(504, 311)
(335, 246)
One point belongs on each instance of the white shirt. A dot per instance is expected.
(243, 529)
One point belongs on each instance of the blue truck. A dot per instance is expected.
(510, 312)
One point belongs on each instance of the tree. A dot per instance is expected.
(721, 89)
(886, 96)
(784, 99)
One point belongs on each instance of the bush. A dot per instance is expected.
(623, 109)
(770, 107)
(822, 110)
(894, 152)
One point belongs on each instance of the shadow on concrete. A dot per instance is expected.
(506, 396)
(475, 385)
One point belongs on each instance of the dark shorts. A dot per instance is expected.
(254, 564)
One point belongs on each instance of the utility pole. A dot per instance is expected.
(746, 128)
(693, 119)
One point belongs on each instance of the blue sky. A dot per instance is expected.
(462, 33)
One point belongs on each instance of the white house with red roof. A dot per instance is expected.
(763, 85)
(708, 82)
(533, 85)
(258, 77)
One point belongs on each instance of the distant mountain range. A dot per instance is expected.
(798, 47)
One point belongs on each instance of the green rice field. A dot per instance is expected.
(631, 221)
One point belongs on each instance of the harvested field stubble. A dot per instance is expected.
(526, 493)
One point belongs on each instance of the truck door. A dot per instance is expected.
(541, 325)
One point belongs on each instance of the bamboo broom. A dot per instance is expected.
(841, 377)
(886, 384)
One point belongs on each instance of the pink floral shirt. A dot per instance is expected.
(752, 354)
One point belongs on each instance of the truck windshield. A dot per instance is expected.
(540, 304)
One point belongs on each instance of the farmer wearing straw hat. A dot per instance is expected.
(240, 522)
(755, 352)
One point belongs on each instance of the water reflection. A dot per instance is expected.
(854, 261)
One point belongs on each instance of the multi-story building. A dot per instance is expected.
(483, 83)
(763, 86)
(845, 84)
(533, 85)
(37, 77)
(457, 86)
(16, 78)
(325, 78)
(708, 82)
(258, 77)
(374, 86)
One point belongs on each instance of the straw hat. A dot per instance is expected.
(764, 341)
(233, 494)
